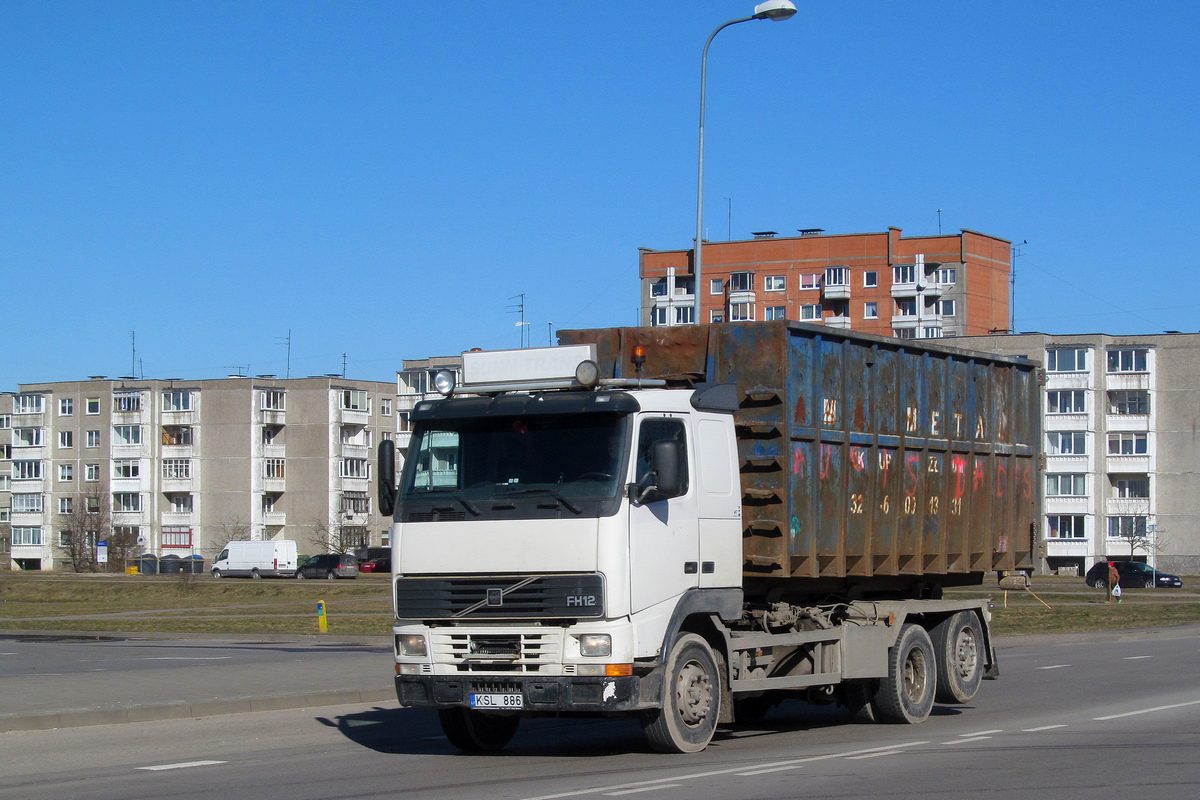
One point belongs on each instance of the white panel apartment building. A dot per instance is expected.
(1121, 420)
(187, 465)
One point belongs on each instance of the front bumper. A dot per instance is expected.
(550, 694)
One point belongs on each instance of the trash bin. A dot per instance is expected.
(147, 564)
(193, 564)
(170, 565)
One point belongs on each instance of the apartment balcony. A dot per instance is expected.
(1128, 465)
(924, 289)
(1068, 547)
(30, 452)
(176, 518)
(1137, 423)
(26, 517)
(355, 451)
(1129, 380)
(403, 439)
(904, 320)
(176, 485)
(741, 297)
(349, 416)
(122, 451)
(128, 518)
(1069, 463)
(26, 485)
(274, 518)
(138, 417)
(268, 416)
(835, 291)
(179, 417)
(355, 484)
(274, 451)
(274, 485)
(176, 451)
(837, 322)
(37, 420)
(128, 485)
(1127, 506)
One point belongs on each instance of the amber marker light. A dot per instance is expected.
(618, 670)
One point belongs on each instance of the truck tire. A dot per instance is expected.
(906, 694)
(216, 573)
(959, 650)
(691, 699)
(476, 732)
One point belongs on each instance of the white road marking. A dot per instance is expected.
(766, 770)
(1147, 711)
(1043, 728)
(964, 741)
(1055, 666)
(182, 765)
(186, 658)
(982, 733)
(732, 770)
(1136, 658)
(874, 755)
(644, 789)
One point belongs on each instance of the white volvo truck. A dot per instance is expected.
(691, 524)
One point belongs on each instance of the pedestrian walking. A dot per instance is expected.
(1114, 579)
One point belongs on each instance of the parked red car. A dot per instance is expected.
(376, 565)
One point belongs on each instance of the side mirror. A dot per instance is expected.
(387, 477)
(665, 478)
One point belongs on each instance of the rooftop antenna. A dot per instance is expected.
(343, 366)
(550, 333)
(287, 341)
(939, 222)
(241, 371)
(1012, 287)
(519, 308)
(133, 354)
(729, 219)
(141, 370)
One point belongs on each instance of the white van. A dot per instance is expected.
(274, 558)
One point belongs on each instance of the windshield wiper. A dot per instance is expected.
(574, 509)
(467, 504)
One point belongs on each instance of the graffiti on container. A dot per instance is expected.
(858, 458)
(958, 468)
(801, 410)
(911, 419)
(799, 462)
(829, 415)
(912, 465)
(795, 529)
(827, 451)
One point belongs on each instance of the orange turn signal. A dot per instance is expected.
(618, 670)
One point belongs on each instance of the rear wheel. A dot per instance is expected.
(959, 650)
(476, 732)
(691, 701)
(906, 694)
(254, 574)
(329, 575)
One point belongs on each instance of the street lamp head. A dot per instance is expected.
(777, 10)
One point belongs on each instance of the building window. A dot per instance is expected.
(91, 472)
(126, 468)
(716, 316)
(93, 405)
(1064, 526)
(5, 515)
(354, 536)
(810, 281)
(272, 399)
(127, 502)
(66, 439)
(355, 400)
(27, 404)
(66, 505)
(741, 281)
(66, 472)
(716, 286)
(741, 312)
(659, 288)
(93, 438)
(683, 286)
(273, 468)
(904, 273)
(66, 407)
(26, 470)
(684, 315)
(127, 434)
(268, 503)
(27, 535)
(775, 283)
(127, 401)
(177, 400)
(906, 308)
(356, 503)
(947, 276)
(1127, 444)
(1129, 401)
(27, 503)
(946, 308)
(870, 310)
(870, 279)
(5, 451)
(931, 333)
(177, 469)
(1127, 360)
(181, 503)
(1066, 359)
(904, 333)
(5, 483)
(269, 432)
(810, 312)
(1066, 485)
(177, 435)
(176, 536)
(355, 468)
(385, 406)
(5, 422)
(1067, 443)
(1123, 527)
(27, 437)
(91, 505)
(837, 276)
(775, 312)
(658, 316)
(1131, 486)
(1066, 401)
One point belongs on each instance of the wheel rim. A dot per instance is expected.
(916, 675)
(966, 653)
(693, 693)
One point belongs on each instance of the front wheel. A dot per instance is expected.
(906, 694)
(216, 573)
(959, 649)
(299, 575)
(476, 732)
(691, 702)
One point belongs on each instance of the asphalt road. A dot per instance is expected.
(1115, 720)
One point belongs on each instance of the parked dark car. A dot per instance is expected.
(329, 565)
(1134, 575)
(377, 565)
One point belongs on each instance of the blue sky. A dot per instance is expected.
(382, 178)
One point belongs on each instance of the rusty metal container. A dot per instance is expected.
(886, 464)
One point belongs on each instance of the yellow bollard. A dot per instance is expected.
(322, 622)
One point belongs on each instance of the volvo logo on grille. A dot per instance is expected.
(495, 597)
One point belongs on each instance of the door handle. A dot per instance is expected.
(690, 568)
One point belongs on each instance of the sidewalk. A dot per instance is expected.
(171, 676)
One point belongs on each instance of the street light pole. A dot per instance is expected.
(777, 10)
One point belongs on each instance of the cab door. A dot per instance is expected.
(664, 534)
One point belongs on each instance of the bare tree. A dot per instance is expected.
(5, 545)
(231, 529)
(84, 520)
(1149, 542)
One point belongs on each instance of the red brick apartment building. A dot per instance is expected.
(912, 287)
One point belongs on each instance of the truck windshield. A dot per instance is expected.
(570, 464)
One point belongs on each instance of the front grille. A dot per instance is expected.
(510, 652)
(437, 515)
(509, 597)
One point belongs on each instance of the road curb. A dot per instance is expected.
(79, 719)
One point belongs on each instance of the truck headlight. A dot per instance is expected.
(595, 644)
(410, 644)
